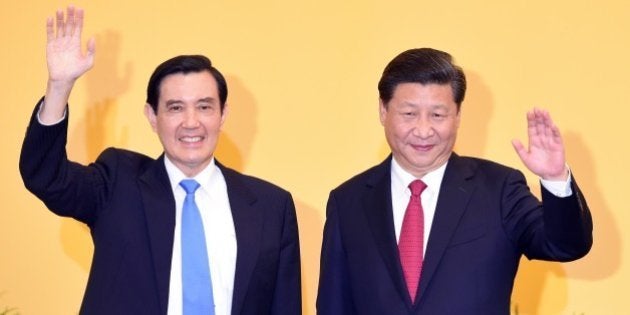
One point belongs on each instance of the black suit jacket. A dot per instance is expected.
(126, 200)
(485, 219)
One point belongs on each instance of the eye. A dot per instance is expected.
(409, 114)
(438, 115)
(174, 108)
(206, 107)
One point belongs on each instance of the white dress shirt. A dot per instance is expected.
(212, 199)
(401, 193)
(213, 203)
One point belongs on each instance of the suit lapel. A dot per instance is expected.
(379, 213)
(159, 207)
(248, 222)
(455, 192)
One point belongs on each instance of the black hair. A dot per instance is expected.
(424, 66)
(184, 64)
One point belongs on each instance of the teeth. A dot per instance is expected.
(190, 139)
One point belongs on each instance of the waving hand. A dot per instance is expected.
(544, 155)
(66, 60)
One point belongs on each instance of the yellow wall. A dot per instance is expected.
(302, 78)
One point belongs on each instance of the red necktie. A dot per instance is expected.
(411, 242)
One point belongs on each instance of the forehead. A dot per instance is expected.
(418, 94)
(186, 85)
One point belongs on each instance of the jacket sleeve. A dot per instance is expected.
(334, 293)
(287, 298)
(558, 229)
(67, 188)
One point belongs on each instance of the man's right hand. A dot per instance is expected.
(66, 62)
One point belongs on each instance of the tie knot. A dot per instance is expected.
(189, 185)
(417, 186)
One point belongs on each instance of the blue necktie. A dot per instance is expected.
(196, 279)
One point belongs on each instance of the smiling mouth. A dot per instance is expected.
(426, 147)
(191, 139)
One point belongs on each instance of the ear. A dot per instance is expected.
(458, 117)
(382, 111)
(224, 113)
(151, 116)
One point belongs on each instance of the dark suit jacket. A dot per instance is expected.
(126, 200)
(485, 219)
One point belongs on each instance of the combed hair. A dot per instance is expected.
(184, 64)
(424, 66)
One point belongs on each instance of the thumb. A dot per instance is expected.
(91, 50)
(519, 148)
(91, 46)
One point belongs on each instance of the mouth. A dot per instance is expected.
(191, 139)
(422, 147)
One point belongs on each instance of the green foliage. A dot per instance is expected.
(9, 311)
(515, 312)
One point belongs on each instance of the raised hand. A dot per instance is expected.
(66, 61)
(544, 155)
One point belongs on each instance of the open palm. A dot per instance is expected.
(65, 59)
(544, 155)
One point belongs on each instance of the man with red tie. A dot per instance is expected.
(430, 232)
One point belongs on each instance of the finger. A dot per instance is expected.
(557, 136)
(531, 121)
(519, 148)
(532, 128)
(78, 21)
(60, 26)
(551, 130)
(69, 21)
(50, 29)
(91, 50)
(541, 128)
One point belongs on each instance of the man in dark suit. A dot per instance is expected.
(430, 232)
(135, 205)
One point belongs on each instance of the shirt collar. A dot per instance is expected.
(175, 175)
(402, 178)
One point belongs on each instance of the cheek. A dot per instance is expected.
(164, 130)
(401, 131)
(213, 123)
(449, 132)
(390, 131)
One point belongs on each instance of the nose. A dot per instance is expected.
(423, 127)
(190, 118)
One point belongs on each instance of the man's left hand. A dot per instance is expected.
(545, 154)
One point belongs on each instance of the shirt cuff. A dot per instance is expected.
(558, 188)
(40, 121)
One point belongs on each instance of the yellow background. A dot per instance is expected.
(302, 77)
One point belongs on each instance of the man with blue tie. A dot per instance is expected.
(429, 232)
(180, 234)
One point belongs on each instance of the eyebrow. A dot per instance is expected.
(173, 102)
(433, 106)
(208, 99)
(440, 106)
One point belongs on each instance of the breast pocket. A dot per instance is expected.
(467, 235)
